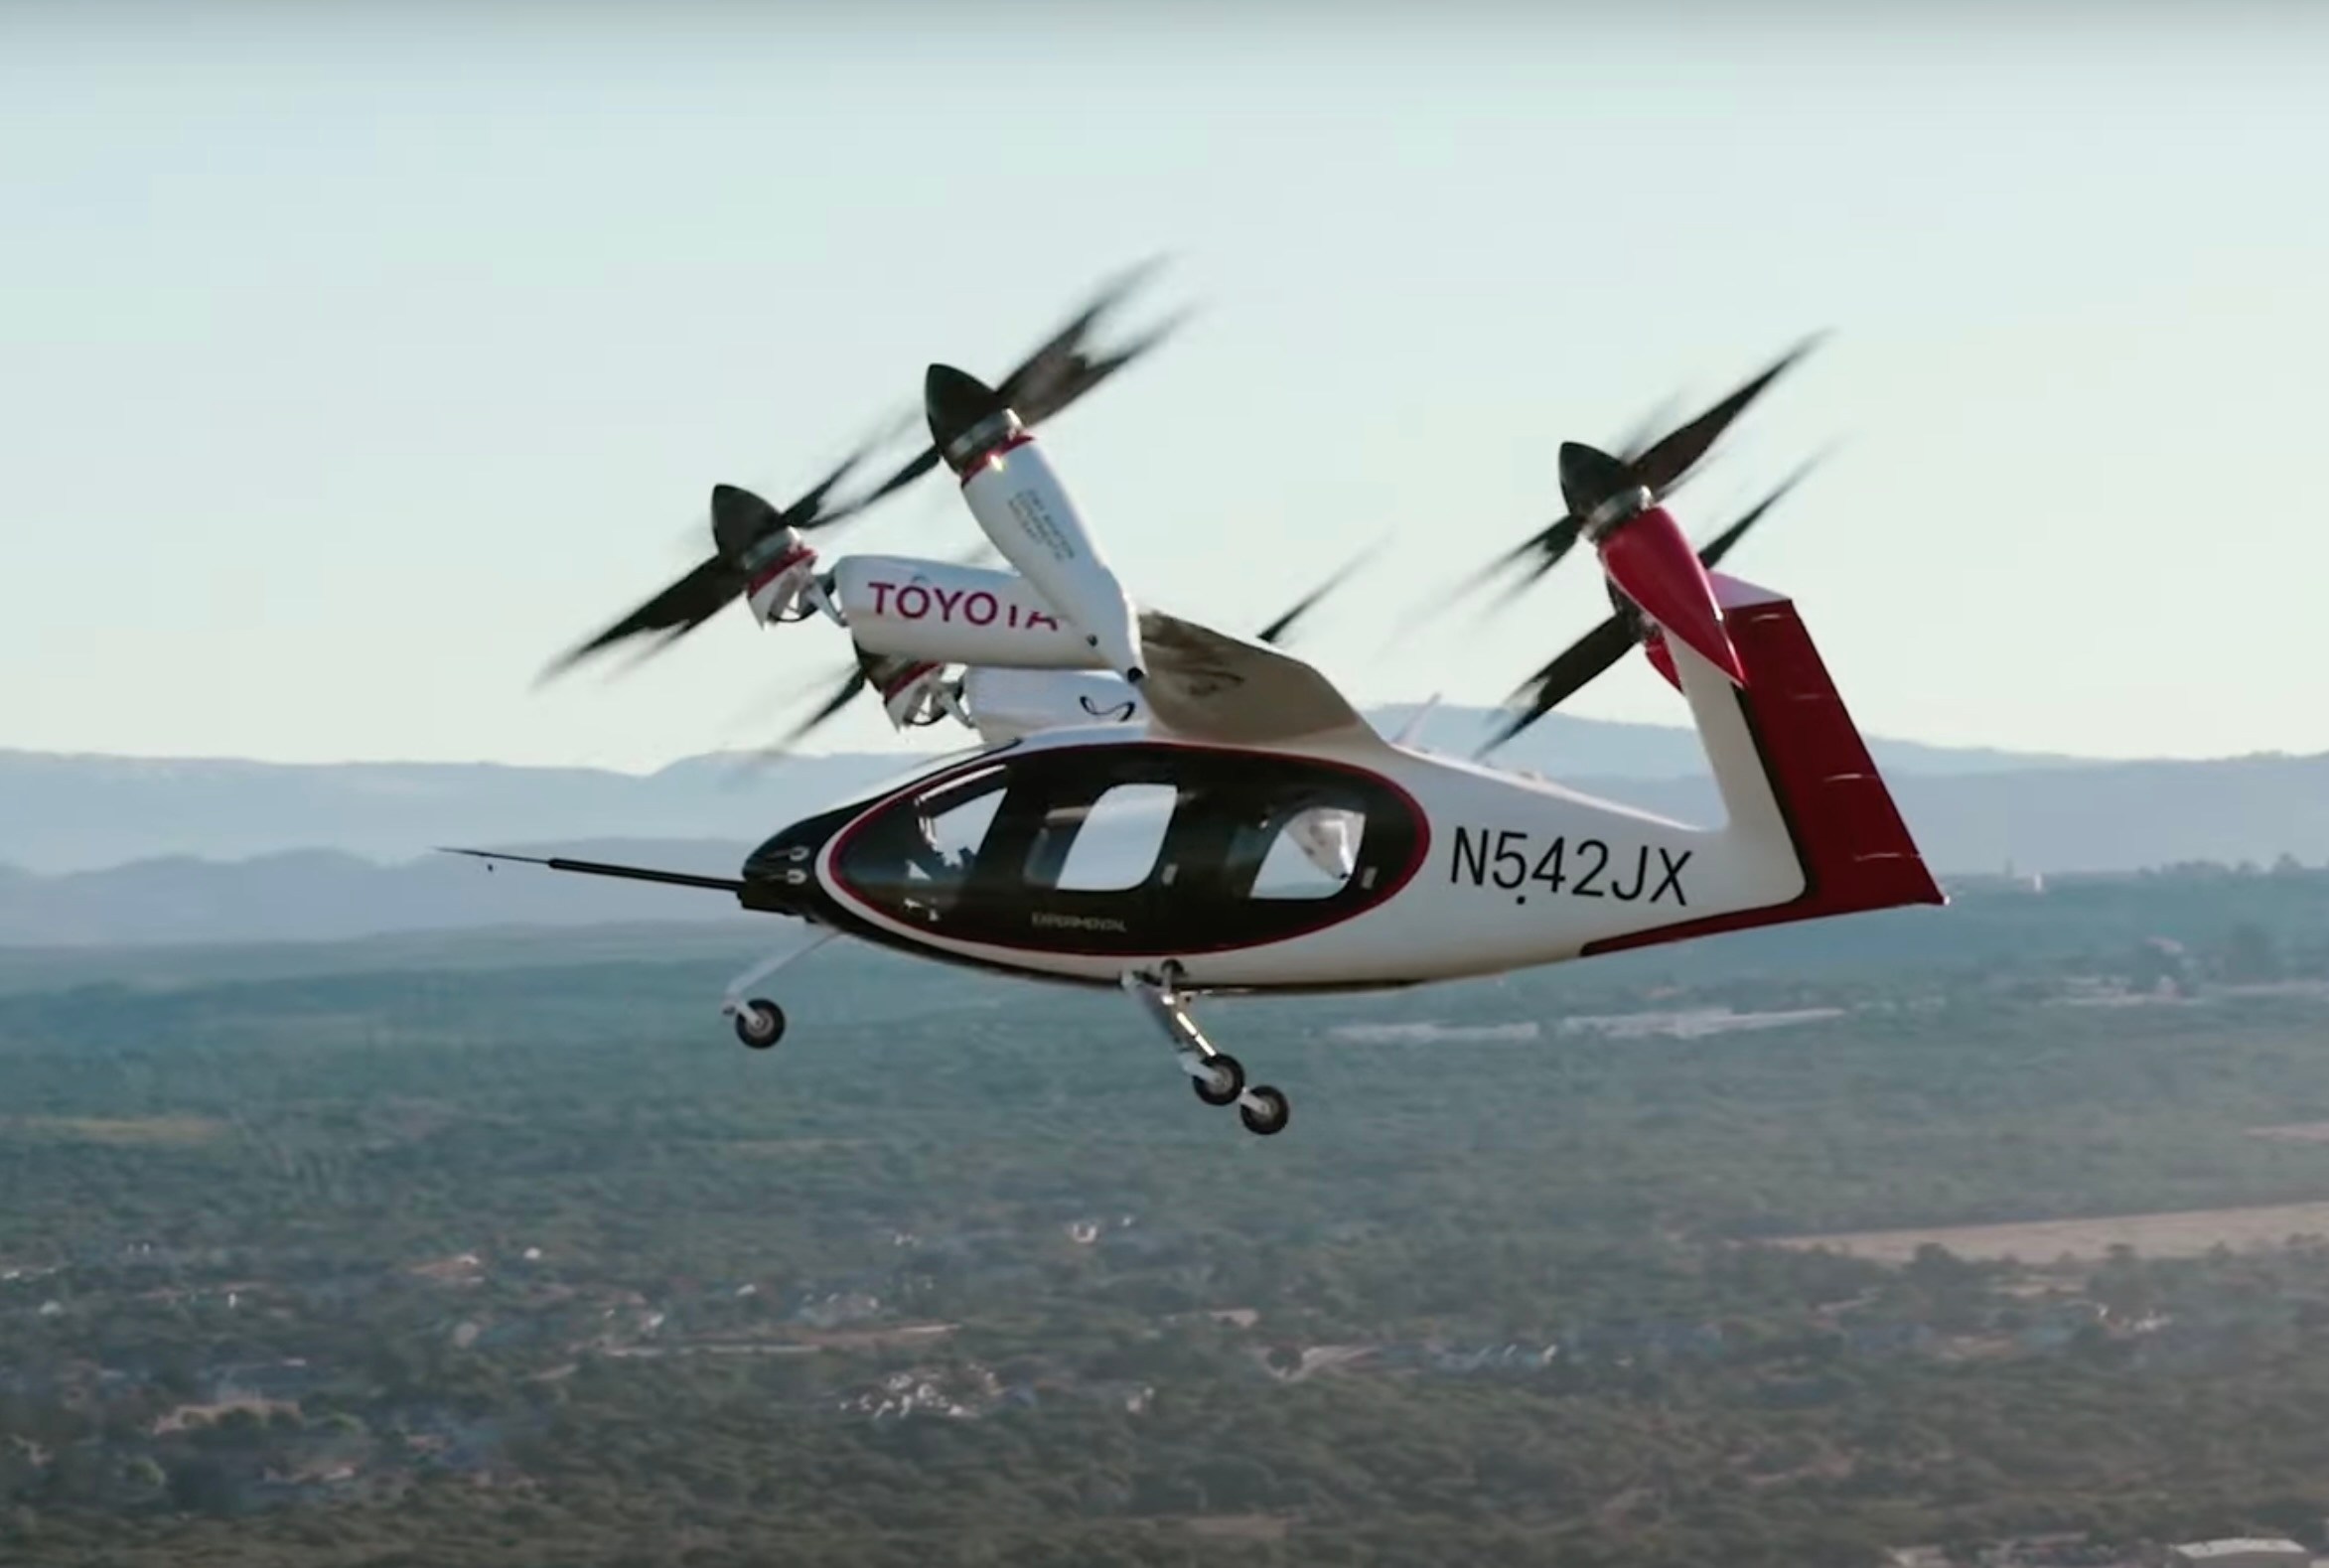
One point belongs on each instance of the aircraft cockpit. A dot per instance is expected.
(1137, 848)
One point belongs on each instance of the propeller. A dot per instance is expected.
(867, 669)
(1276, 630)
(1590, 479)
(1586, 660)
(859, 677)
(1059, 372)
(742, 523)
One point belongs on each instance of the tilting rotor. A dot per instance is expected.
(1615, 502)
(753, 539)
(1600, 492)
(917, 694)
(1591, 655)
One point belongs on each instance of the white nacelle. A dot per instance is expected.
(921, 696)
(1006, 704)
(783, 577)
(953, 615)
(1021, 504)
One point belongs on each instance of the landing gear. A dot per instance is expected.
(1218, 1077)
(1223, 1082)
(760, 1023)
(1264, 1112)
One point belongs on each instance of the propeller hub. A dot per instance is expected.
(967, 418)
(1600, 491)
(741, 520)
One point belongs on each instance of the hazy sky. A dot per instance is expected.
(354, 362)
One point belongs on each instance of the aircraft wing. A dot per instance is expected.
(1204, 685)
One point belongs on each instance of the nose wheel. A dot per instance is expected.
(1218, 1077)
(760, 1023)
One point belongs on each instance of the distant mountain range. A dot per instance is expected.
(62, 814)
(110, 849)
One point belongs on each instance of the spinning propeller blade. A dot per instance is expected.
(1276, 630)
(1061, 370)
(1589, 477)
(1591, 655)
(1668, 462)
(742, 523)
(856, 681)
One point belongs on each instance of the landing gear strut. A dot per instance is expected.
(1218, 1077)
(760, 1023)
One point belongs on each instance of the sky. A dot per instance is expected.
(355, 361)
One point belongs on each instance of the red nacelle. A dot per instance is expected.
(1652, 562)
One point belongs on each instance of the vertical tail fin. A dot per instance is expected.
(1791, 764)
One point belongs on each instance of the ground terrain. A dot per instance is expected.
(501, 1252)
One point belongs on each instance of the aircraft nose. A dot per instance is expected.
(780, 876)
(956, 402)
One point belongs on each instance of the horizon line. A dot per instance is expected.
(907, 751)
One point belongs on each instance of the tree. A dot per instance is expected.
(201, 1485)
(2250, 955)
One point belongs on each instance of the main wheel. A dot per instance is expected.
(1227, 1084)
(1271, 1116)
(760, 1023)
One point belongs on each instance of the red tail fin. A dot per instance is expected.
(1855, 851)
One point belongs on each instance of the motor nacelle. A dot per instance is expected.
(1010, 487)
(913, 693)
(1006, 704)
(783, 585)
(955, 615)
(1644, 552)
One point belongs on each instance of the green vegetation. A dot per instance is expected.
(511, 1260)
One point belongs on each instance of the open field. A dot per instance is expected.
(2295, 1132)
(2179, 1234)
(120, 1130)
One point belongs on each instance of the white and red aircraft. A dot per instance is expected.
(1158, 806)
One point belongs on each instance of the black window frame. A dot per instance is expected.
(1198, 896)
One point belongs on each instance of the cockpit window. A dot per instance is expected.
(954, 819)
(1105, 847)
(1135, 848)
(1314, 855)
(917, 855)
